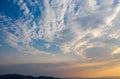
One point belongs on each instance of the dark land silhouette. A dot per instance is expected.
(17, 76)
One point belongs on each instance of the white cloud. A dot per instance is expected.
(66, 49)
(47, 46)
(72, 25)
(23, 6)
(23, 45)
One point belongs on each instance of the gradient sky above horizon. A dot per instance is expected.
(71, 38)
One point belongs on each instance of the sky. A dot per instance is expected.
(61, 38)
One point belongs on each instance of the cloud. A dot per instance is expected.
(85, 28)
(116, 51)
(66, 49)
(23, 6)
(95, 52)
(47, 46)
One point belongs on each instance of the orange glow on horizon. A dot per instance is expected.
(107, 71)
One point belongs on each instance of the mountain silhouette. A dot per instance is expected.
(17, 76)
